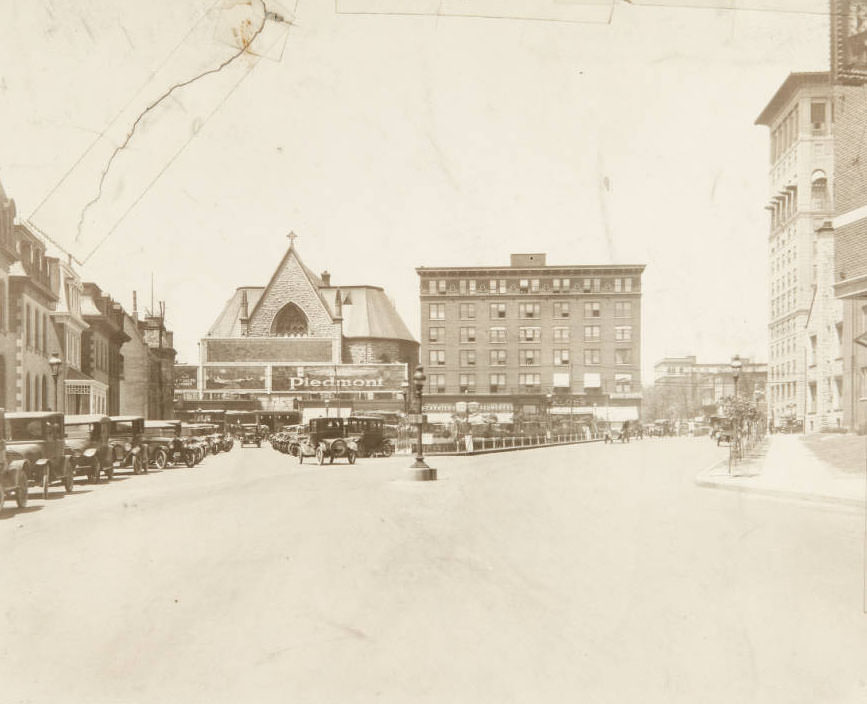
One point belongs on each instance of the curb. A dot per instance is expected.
(703, 479)
(492, 450)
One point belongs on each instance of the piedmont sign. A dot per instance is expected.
(306, 378)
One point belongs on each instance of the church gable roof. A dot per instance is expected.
(228, 323)
(367, 312)
(292, 282)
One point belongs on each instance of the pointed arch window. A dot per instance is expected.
(290, 321)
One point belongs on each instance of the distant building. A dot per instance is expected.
(805, 366)
(304, 344)
(101, 344)
(685, 388)
(147, 386)
(8, 319)
(531, 337)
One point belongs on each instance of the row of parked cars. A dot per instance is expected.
(45, 449)
(329, 438)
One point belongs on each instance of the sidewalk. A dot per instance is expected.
(825, 468)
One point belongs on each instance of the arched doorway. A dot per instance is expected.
(290, 321)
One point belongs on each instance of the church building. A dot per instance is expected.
(301, 343)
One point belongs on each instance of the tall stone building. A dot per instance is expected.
(302, 343)
(146, 388)
(805, 369)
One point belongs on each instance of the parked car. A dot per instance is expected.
(369, 436)
(37, 437)
(249, 435)
(13, 472)
(195, 438)
(326, 439)
(87, 447)
(127, 443)
(166, 444)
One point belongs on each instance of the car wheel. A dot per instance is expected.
(320, 456)
(387, 449)
(351, 457)
(161, 459)
(95, 471)
(21, 491)
(46, 481)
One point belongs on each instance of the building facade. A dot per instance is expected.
(302, 344)
(147, 386)
(529, 339)
(805, 366)
(685, 389)
(101, 358)
(8, 337)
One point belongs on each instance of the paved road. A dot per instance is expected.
(591, 573)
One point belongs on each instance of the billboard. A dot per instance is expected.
(241, 377)
(338, 377)
(186, 377)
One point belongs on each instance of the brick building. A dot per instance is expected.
(101, 343)
(301, 343)
(529, 339)
(849, 72)
(805, 369)
(147, 386)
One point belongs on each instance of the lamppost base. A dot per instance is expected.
(420, 472)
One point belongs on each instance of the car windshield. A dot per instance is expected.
(160, 432)
(122, 427)
(25, 429)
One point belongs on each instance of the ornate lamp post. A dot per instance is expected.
(55, 362)
(419, 469)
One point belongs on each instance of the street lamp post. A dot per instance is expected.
(736, 371)
(54, 362)
(419, 470)
(736, 421)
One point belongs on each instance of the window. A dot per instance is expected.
(561, 309)
(623, 383)
(623, 332)
(627, 285)
(555, 285)
(441, 286)
(561, 335)
(468, 311)
(597, 285)
(524, 285)
(437, 311)
(497, 335)
(592, 310)
(587, 285)
(28, 339)
(497, 358)
(468, 358)
(529, 310)
(468, 335)
(497, 310)
(592, 357)
(472, 287)
(618, 285)
(529, 382)
(437, 358)
(492, 285)
(592, 333)
(623, 356)
(436, 383)
(529, 334)
(558, 285)
(565, 284)
(462, 287)
(290, 321)
(467, 383)
(497, 383)
(817, 115)
(561, 358)
(45, 332)
(592, 380)
(431, 286)
(528, 358)
(436, 334)
(534, 285)
(496, 285)
(623, 309)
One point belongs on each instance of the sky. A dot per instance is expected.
(388, 142)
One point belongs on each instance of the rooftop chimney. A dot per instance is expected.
(326, 278)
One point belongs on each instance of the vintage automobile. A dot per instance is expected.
(249, 435)
(166, 445)
(369, 436)
(195, 438)
(326, 439)
(13, 472)
(37, 437)
(87, 448)
(127, 446)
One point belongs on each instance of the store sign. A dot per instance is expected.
(849, 40)
(339, 377)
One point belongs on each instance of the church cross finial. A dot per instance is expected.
(292, 237)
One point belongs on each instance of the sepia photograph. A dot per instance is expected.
(436, 351)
